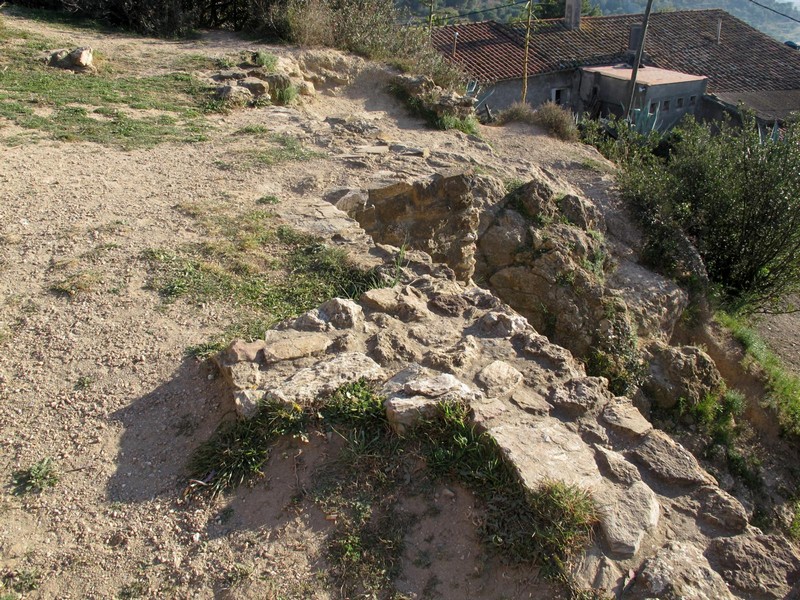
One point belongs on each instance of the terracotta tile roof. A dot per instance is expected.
(768, 105)
(745, 58)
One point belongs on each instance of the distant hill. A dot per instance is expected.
(778, 27)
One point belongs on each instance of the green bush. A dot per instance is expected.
(734, 192)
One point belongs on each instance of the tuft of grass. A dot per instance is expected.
(84, 382)
(26, 580)
(285, 96)
(512, 185)
(253, 130)
(782, 385)
(238, 449)
(205, 350)
(282, 148)
(794, 525)
(268, 199)
(265, 60)
(468, 125)
(75, 284)
(36, 478)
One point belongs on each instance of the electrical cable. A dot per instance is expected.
(469, 14)
(775, 11)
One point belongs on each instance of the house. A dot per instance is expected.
(737, 63)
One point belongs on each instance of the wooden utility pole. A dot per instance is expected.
(527, 45)
(639, 51)
(430, 18)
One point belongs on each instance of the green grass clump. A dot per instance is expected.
(253, 130)
(285, 96)
(268, 199)
(265, 60)
(36, 478)
(794, 525)
(282, 148)
(782, 385)
(468, 125)
(361, 486)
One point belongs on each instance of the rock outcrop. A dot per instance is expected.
(432, 339)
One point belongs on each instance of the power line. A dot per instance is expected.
(479, 12)
(777, 12)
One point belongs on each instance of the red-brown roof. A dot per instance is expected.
(745, 58)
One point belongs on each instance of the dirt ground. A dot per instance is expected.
(101, 383)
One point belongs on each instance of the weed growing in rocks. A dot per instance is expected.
(359, 488)
(36, 478)
(22, 581)
(285, 96)
(265, 60)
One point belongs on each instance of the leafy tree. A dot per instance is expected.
(554, 9)
(736, 194)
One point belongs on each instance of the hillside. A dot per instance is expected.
(265, 334)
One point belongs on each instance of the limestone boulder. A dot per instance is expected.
(581, 212)
(624, 418)
(437, 215)
(580, 395)
(669, 461)
(325, 377)
(79, 60)
(234, 94)
(679, 571)
(291, 345)
(257, 87)
(757, 566)
(498, 379)
(677, 373)
(627, 514)
(337, 313)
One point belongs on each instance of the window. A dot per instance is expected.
(665, 105)
(692, 100)
(559, 95)
(679, 103)
(653, 107)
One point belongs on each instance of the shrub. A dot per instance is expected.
(519, 112)
(557, 121)
(737, 196)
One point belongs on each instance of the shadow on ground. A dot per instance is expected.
(160, 431)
